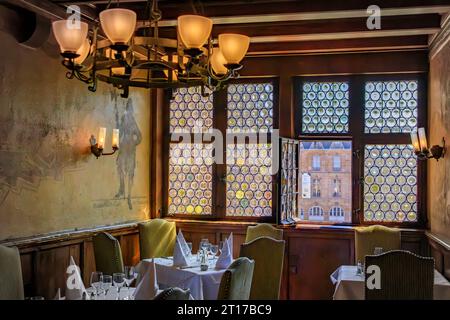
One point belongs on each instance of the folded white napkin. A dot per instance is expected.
(179, 257)
(226, 256)
(147, 288)
(58, 295)
(74, 283)
(183, 244)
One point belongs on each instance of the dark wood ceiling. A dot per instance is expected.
(287, 26)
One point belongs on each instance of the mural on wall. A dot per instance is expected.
(439, 126)
(130, 138)
(49, 181)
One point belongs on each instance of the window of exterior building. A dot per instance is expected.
(371, 116)
(316, 162)
(337, 214)
(336, 163)
(315, 213)
(316, 188)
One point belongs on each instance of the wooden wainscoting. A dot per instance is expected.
(440, 251)
(312, 254)
(45, 259)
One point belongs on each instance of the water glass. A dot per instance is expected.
(96, 281)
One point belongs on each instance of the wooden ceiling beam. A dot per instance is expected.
(345, 45)
(319, 26)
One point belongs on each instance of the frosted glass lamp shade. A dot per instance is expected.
(233, 47)
(83, 52)
(194, 30)
(218, 62)
(70, 36)
(118, 24)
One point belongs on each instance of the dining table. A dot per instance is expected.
(349, 284)
(203, 285)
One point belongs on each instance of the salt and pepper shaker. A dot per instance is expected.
(204, 261)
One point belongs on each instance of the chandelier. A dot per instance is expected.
(138, 57)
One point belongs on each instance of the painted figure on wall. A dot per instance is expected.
(130, 138)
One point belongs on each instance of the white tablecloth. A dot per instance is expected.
(203, 285)
(350, 285)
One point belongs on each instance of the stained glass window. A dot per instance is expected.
(390, 183)
(189, 109)
(391, 106)
(325, 107)
(190, 179)
(249, 180)
(250, 107)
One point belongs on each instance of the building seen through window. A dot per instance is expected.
(322, 179)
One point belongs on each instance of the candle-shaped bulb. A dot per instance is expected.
(101, 138)
(115, 138)
(415, 141)
(423, 139)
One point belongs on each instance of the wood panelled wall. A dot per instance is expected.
(312, 254)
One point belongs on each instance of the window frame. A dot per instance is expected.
(219, 171)
(360, 139)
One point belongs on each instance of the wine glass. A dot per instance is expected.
(130, 275)
(189, 244)
(96, 281)
(203, 243)
(205, 247)
(107, 283)
(214, 249)
(119, 281)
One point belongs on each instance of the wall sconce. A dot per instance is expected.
(97, 147)
(419, 142)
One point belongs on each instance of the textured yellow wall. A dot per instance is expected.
(439, 126)
(48, 179)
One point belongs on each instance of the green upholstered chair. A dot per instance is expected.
(237, 280)
(404, 276)
(107, 252)
(173, 294)
(11, 282)
(368, 238)
(263, 230)
(157, 238)
(268, 255)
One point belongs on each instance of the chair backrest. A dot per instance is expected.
(237, 280)
(403, 276)
(173, 294)
(268, 255)
(11, 282)
(263, 230)
(107, 252)
(368, 238)
(157, 238)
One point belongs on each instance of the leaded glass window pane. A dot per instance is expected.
(249, 180)
(190, 179)
(250, 107)
(325, 107)
(391, 106)
(390, 183)
(189, 110)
